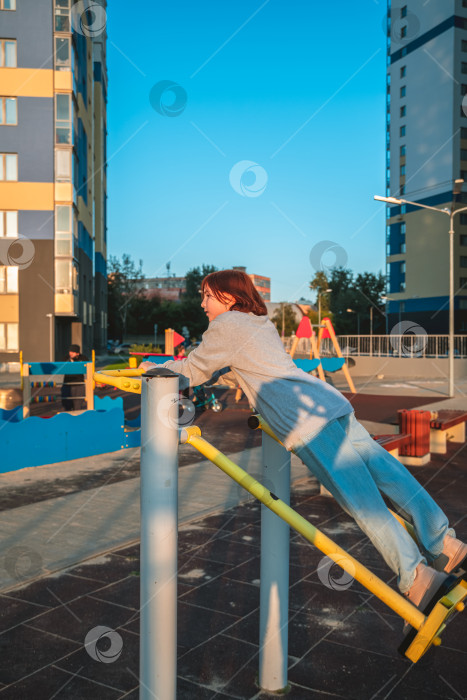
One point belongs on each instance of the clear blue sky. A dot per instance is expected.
(297, 87)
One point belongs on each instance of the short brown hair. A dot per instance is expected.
(240, 286)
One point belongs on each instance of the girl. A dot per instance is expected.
(315, 421)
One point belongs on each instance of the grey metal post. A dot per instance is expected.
(159, 500)
(274, 589)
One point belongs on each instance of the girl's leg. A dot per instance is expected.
(396, 482)
(332, 458)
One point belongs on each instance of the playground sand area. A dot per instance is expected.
(342, 640)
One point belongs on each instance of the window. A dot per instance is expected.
(402, 268)
(9, 337)
(7, 53)
(403, 31)
(8, 224)
(403, 72)
(464, 3)
(403, 91)
(463, 261)
(402, 246)
(63, 231)
(63, 119)
(463, 239)
(402, 170)
(402, 150)
(463, 153)
(403, 208)
(62, 53)
(9, 280)
(403, 11)
(402, 190)
(463, 304)
(403, 228)
(402, 131)
(463, 282)
(463, 132)
(403, 111)
(8, 111)
(402, 287)
(7, 4)
(464, 67)
(463, 219)
(464, 45)
(63, 165)
(8, 166)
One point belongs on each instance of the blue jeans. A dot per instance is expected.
(354, 468)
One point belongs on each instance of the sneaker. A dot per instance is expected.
(425, 586)
(453, 556)
(426, 583)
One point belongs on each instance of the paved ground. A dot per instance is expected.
(342, 643)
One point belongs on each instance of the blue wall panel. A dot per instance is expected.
(36, 225)
(31, 24)
(32, 139)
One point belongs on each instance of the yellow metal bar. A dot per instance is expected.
(124, 379)
(93, 360)
(392, 599)
(435, 622)
(257, 421)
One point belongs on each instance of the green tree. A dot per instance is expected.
(284, 320)
(319, 283)
(193, 279)
(124, 285)
(352, 298)
(369, 288)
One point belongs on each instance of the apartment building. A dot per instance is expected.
(53, 95)
(426, 142)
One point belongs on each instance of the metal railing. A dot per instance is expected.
(406, 345)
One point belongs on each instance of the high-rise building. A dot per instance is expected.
(53, 94)
(262, 283)
(426, 141)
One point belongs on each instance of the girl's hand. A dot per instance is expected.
(147, 365)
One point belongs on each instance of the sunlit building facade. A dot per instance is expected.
(426, 142)
(53, 94)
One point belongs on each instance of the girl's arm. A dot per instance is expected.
(213, 354)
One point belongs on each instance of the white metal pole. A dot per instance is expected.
(274, 587)
(451, 306)
(159, 500)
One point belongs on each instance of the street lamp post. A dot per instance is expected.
(451, 213)
(320, 294)
(51, 337)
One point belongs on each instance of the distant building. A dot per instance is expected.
(166, 288)
(262, 284)
(426, 142)
(52, 179)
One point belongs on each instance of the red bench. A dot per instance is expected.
(446, 425)
(392, 443)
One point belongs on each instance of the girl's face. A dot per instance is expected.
(213, 307)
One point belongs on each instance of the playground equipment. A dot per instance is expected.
(159, 389)
(41, 369)
(206, 399)
(33, 441)
(322, 364)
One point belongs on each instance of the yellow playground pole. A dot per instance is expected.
(395, 601)
(429, 627)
